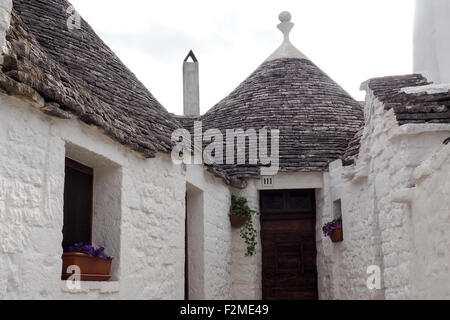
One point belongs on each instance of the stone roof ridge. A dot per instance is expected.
(428, 89)
(287, 49)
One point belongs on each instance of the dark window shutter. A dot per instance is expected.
(78, 196)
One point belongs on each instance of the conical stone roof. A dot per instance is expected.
(317, 118)
(74, 74)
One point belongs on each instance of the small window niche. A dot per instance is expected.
(337, 209)
(338, 234)
(92, 202)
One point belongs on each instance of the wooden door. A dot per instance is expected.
(288, 223)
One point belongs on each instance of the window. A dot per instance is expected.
(78, 203)
(93, 202)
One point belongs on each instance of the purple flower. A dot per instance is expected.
(331, 226)
(87, 249)
(78, 245)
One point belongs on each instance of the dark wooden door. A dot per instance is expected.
(288, 223)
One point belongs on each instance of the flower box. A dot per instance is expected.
(94, 264)
(337, 235)
(91, 268)
(333, 230)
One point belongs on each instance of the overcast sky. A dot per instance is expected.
(351, 40)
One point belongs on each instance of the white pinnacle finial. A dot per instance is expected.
(285, 16)
(286, 25)
(287, 50)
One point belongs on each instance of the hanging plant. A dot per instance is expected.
(242, 216)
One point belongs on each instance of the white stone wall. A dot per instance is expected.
(216, 230)
(217, 241)
(342, 266)
(30, 214)
(395, 209)
(430, 213)
(151, 230)
(195, 226)
(247, 271)
(379, 228)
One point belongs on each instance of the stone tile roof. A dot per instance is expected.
(187, 122)
(352, 151)
(317, 119)
(420, 107)
(72, 73)
(409, 106)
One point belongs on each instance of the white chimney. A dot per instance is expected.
(432, 40)
(191, 86)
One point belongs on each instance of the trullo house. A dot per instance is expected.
(87, 155)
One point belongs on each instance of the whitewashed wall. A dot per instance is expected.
(379, 228)
(146, 225)
(430, 212)
(342, 266)
(247, 271)
(394, 202)
(216, 235)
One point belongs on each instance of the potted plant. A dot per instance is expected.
(241, 216)
(333, 230)
(94, 264)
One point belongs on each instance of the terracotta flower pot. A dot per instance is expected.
(92, 269)
(337, 235)
(236, 221)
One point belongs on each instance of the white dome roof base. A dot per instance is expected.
(287, 49)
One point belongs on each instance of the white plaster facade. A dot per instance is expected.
(209, 228)
(142, 220)
(139, 214)
(400, 177)
(394, 203)
(394, 210)
(430, 213)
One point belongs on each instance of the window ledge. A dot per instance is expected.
(87, 286)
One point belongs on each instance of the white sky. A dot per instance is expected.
(351, 40)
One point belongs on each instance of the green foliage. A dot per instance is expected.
(240, 208)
